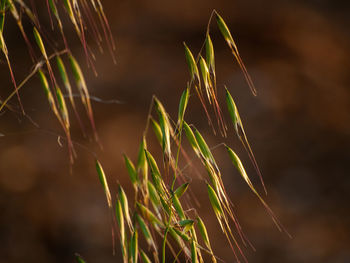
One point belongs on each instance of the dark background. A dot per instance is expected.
(297, 54)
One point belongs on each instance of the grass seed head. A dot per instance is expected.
(214, 200)
(48, 93)
(165, 127)
(181, 234)
(125, 206)
(181, 190)
(148, 214)
(131, 171)
(64, 76)
(153, 194)
(78, 75)
(145, 230)
(178, 207)
(104, 183)
(134, 248)
(238, 164)
(53, 8)
(187, 224)
(191, 138)
(225, 32)
(120, 219)
(79, 259)
(204, 148)
(157, 130)
(209, 51)
(2, 15)
(192, 65)
(63, 107)
(182, 106)
(39, 42)
(145, 258)
(205, 72)
(203, 231)
(232, 109)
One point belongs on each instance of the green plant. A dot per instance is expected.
(162, 205)
(160, 187)
(82, 14)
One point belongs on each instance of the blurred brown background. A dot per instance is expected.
(297, 54)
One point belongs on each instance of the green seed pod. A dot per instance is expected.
(39, 42)
(104, 183)
(183, 105)
(191, 63)
(214, 200)
(131, 171)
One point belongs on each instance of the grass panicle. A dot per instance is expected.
(163, 206)
(165, 210)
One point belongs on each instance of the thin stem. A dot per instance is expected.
(172, 188)
(31, 74)
(164, 241)
(148, 116)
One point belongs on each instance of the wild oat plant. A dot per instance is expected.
(83, 15)
(164, 205)
(164, 212)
